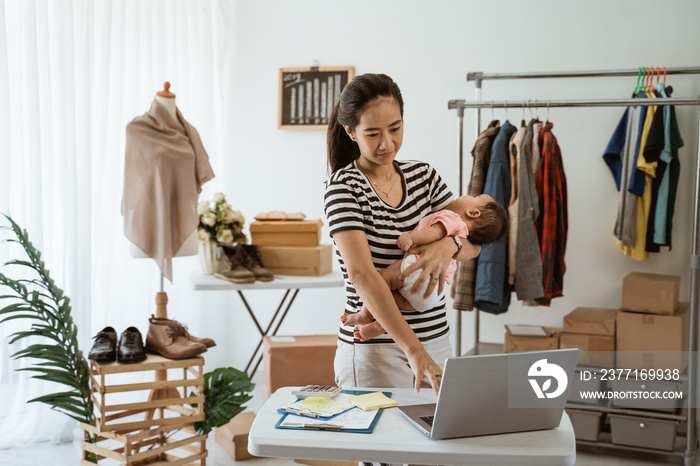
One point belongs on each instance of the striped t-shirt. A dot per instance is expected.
(352, 204)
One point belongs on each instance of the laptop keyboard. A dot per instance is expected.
(428, 419)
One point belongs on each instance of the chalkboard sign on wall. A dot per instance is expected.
(308, 95)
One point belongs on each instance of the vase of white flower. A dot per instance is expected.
(218, 224)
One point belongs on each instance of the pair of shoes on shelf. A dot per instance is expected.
(128, 350)
(246, 265)
(170, 339)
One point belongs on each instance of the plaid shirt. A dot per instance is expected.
(553, 222)
(465, 276)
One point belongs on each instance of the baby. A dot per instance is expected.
(479, 219)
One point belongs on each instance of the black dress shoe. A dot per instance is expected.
(131, 347)
(105, 347)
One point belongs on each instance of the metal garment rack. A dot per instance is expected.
(460, 105)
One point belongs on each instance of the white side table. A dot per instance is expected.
(292, 285)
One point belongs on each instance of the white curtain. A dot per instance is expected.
(73, 73)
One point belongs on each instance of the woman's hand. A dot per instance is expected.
(434, 260)
(424, 367)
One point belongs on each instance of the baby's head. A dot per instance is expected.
(486, 219)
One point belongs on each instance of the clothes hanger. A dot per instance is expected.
(493, 117)
(506, 107)
(547, 122)
(636, 87)
(522, 123)
(664, 75)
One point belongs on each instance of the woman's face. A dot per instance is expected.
(379, 133)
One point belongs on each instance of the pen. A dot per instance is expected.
(324, 426)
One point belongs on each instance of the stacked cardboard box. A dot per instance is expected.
(233, 437)
(290, 361)
(652, 327)
(592, 330)
(292, 247)
(515, 344)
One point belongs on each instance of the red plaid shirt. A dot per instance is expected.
(553, 222)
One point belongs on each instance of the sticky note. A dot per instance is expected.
(372, 401)
(322, 405)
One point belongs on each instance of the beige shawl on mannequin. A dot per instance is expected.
(165, 168)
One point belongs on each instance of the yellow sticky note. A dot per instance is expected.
(322, 405)
(371, 401)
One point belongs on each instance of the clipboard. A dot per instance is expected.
(330, 426)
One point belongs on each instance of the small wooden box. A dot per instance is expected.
(233, 437)
(305, 261)
(160, 402)
(175, 444)
(287, 233)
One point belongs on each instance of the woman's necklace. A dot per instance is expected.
(386, 193)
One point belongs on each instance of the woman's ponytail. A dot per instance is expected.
(341, 149)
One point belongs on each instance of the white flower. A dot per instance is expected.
(202, 207)
(219, 197)
(225, 236)
(227, 216)
(209, 219)
(203, 235)
(238, 217)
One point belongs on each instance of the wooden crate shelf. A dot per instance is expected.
(165, 401)
(171, 445)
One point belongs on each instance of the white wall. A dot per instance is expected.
(428, 47)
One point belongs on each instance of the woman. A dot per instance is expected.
(370, 200)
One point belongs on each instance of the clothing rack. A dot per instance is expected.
(460, 105)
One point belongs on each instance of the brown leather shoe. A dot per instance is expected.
(252, 262)
(182, 329)
(239, 273)
(170, 341)
(130, 349)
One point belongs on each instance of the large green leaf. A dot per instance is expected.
(40, 301)
(224, 394)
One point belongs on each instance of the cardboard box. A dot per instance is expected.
(648, 341)
(233, 437)
(288, 233)
(591, 321)
(297, 361)
(651, 293)
(596, 350)
(519, 344)
(306, 261)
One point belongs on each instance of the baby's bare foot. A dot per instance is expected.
(358, 318)
(368, 331)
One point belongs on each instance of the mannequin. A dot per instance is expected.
(191, 245)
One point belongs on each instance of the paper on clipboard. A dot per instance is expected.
(354, 419)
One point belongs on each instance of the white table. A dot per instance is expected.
(395, 440)
(292, 284)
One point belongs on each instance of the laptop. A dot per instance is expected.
(497, 394)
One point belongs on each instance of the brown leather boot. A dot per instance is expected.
(238, 273)
(182, 329)
(252, 262)
(170, 341)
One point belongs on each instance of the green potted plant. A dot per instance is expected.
(59, 359)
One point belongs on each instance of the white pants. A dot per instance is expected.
(382, 364)
(417, 300)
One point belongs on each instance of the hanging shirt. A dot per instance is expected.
(652, 153)
(669, 179)
(620, 156)
(638, 250)
(462, 290)
(528, 264)
(553, 222)
(491, 291)
(514, 151)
